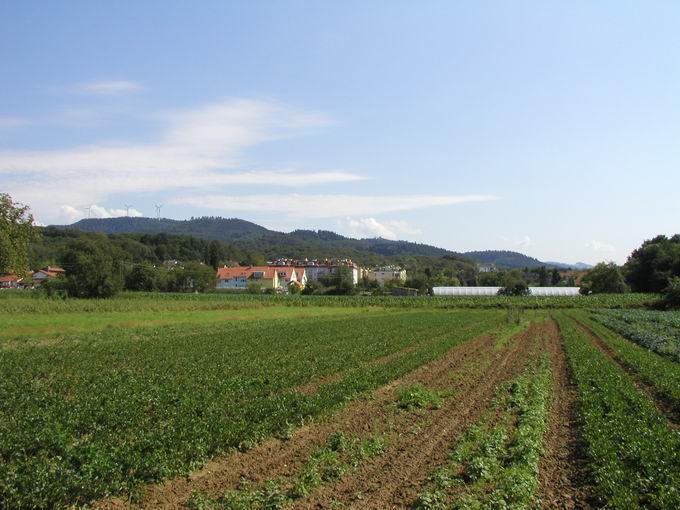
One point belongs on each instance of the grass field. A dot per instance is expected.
(330, 405)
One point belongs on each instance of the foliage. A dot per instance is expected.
(649, 267)
(92, 270)
(604, 278)
(663, 374)
(634, 454)
(671, 294)
(33, 302)
(514, 284)
(16, 234)
(418, 396)
(105, 412)
(653, 330)
(495, 465)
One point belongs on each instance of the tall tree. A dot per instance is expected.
(16, 233)
(604, 278)
(92, 269)
(652, 265)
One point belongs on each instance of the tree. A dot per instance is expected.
(671, 294)
(215, 254)
(542, 276)
(555, 277)
(604, 278)
(16, 233)
(143, 278)
(92, 270)
(649, 267)
(514, 284)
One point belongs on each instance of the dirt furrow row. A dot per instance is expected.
(394, 479)
(563, 466)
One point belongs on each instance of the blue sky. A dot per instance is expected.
(543, 127)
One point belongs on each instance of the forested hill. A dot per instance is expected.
(209, 228)
(299, 243)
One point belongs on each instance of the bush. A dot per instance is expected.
(671, 294)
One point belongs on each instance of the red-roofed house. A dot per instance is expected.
(10, 281)
(47, 273)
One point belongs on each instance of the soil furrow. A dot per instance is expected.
(274, 457)
(394, 479)
(563, 466)
(664, 407)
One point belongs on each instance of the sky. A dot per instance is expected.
(549, 128)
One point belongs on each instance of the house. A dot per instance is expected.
(486, 267)
(238, 278)
(285, 276)
(11, 281)
(386, 274)
(301, 276)
(47, 273)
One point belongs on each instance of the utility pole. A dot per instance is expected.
(158, 211)
(88, 209)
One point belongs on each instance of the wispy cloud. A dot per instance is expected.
(370, 227)
(105, 87)
(10, 123)
(326, 206)
(196, 148)
(600, 247)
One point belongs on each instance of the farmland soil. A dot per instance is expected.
(563, 467)
(395, 479)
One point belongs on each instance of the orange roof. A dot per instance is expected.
(54, 269)
(10, 278)
(227, 273)
(300, 271)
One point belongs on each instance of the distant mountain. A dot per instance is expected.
(299, 243)
(505, 259)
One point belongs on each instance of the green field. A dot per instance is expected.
(103, 398)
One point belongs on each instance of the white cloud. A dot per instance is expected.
(9, 123)
(106, 87)
(71, 214)
(370, 227)
(325, 206)
(600, 247)
(523, 242)
(197, 148)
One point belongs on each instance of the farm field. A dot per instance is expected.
(319, 406)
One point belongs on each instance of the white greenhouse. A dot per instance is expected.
(492, 291)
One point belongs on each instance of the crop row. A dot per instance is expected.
(634, 454)
(105, 412)
(495, 465)
(653, 330)
(34, 302)
(660, 372)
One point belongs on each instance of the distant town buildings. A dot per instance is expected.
(487, 267)
(385, 274)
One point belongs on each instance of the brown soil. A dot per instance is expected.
(394, 479)
(563, 467)
(274, 457)
(664, 407)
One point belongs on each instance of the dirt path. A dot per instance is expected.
(274, 457)
(563, 467)
(665, 408)
(394, 479)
